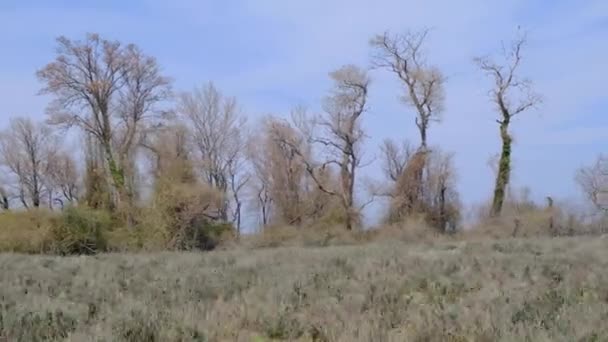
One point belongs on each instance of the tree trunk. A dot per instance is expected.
(551, 215)
(238, 223)
(5, 202)
(348, 222)
(504, 171)
(423, 139)
(442, 213)
(117, 178)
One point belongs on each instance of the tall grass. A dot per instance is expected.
(487, 290)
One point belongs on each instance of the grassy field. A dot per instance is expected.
(507, 290)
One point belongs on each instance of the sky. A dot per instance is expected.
(275, 54)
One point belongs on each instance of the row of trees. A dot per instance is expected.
(299, 170)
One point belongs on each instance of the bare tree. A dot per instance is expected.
(593, 181)
(237, 180)
(261, 183)
(170, 153)
(26, 149)
(64, 176)
(402, 54)
(395, 158)
(106, 89)
(512, 95)
(443, 199)
(143, 89)
(340, 135)
(281, 171)
(218, 133)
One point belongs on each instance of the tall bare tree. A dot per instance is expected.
(218, 133)
(403, 55)
(338, 132)
(512, 96)
(26, 149)
(107, 89)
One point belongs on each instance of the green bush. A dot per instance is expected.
(185, 213)
(80, 230)
(201, 234)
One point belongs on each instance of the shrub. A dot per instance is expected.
(201, 234)
(25, 231)
(186, 214)
(80, 230)
(414, 229)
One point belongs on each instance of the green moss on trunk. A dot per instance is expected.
(504, 171)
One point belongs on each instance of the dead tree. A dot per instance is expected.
(512, 95)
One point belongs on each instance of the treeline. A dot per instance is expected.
(183, 165)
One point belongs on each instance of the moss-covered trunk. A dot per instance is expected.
(116, 178)
(504, 170)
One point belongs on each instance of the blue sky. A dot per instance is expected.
(274, 54)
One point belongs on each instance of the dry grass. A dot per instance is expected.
(486, 290)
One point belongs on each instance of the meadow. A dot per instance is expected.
(513, 289)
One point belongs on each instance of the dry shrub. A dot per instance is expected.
(328, 230)
(312, 236)
(25, 231)
(522, 217)
(275, 236)
(77, 230)
(181, 218)
(408, 189)
(424, 183)
(185, 216)
(413, 229)
(333, 235)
